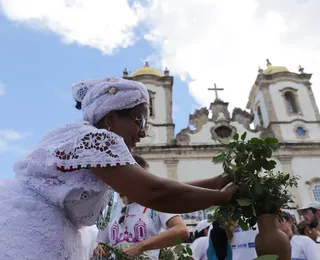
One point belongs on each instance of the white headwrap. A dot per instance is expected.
(101, 96)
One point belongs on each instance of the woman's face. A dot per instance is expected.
(285, 226)
(312, 233)
(131, 127)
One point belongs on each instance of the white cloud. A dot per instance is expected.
(2, 89)
(102, 24)
(8, 140)
(207, 41)
(224, 42)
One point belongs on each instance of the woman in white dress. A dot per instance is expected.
(65, 180)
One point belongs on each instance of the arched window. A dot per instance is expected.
(290, 102)
(223, 132)
(316, 192)
(260, 116)
(151, 103)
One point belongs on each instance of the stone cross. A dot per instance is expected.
(216, 90)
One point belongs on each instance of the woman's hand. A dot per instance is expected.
(134, 250)
(99, 251)
(228, 192)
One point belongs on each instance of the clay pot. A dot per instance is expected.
(270, 239)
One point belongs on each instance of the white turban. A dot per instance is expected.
(101, 96)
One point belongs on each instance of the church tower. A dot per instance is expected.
(159, 85)
(283, 102)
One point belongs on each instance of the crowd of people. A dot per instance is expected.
(64, 183)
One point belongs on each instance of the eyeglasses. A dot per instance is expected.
(124, 213)
(142, 123)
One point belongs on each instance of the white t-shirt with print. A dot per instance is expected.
(140, 225)
(304, 248)
(242, 244)
(88, 237)
(199, 248)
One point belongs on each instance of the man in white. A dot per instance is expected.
(311, 212)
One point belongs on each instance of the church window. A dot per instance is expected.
(223, 132)
(290, 102)
(301, 131)
(151, 103)
(316, 192)
(260, 116)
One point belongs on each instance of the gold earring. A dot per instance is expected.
(309, 232)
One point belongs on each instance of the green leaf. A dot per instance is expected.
(178, 241)
(242, 224)
(269, 140)
(244, 202)
(243, 136)
(256, 141)
(269, 165)
(258, 188)
(267, 257)
(267, 151)
(189, 251)
(275, 146)
(219, 158)
(236, 137)
(286, 177)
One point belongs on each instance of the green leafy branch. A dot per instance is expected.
(263, 191)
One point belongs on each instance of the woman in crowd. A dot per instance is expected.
(303, 247)
(200, 244)
(63, 183)
(309, 228)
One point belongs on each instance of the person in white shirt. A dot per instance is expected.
(308, 228)
(242, 243)
(88, 237)
(200, 244)
(311, 212)
(303, 247)
(136, 229)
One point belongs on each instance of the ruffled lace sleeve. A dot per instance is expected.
(58, 168)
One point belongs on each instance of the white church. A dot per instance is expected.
(282, 105)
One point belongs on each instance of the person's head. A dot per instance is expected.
(144, 164)
(308, 228)
(115, 104)
(202, 229)
(287, 224)
(311, 211)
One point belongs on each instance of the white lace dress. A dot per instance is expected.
(55, 193)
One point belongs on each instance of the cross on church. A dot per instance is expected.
(216, 90)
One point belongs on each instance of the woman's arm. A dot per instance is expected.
(177, 229)
(159, 193)
(214, 183)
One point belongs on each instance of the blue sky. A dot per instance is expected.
(46, 45)
(38, 70)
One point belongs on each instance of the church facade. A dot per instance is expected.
(281, 105)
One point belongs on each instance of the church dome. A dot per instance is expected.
(273, 69)
(146, 70)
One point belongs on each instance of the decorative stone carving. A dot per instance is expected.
(266, 133)
(182, 137)
(222, 131)
(199, 118)
(242, 117)
(217, 107)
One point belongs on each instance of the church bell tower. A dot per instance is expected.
(283, 102)
(159, 85)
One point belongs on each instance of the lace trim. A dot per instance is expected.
(106, 145)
